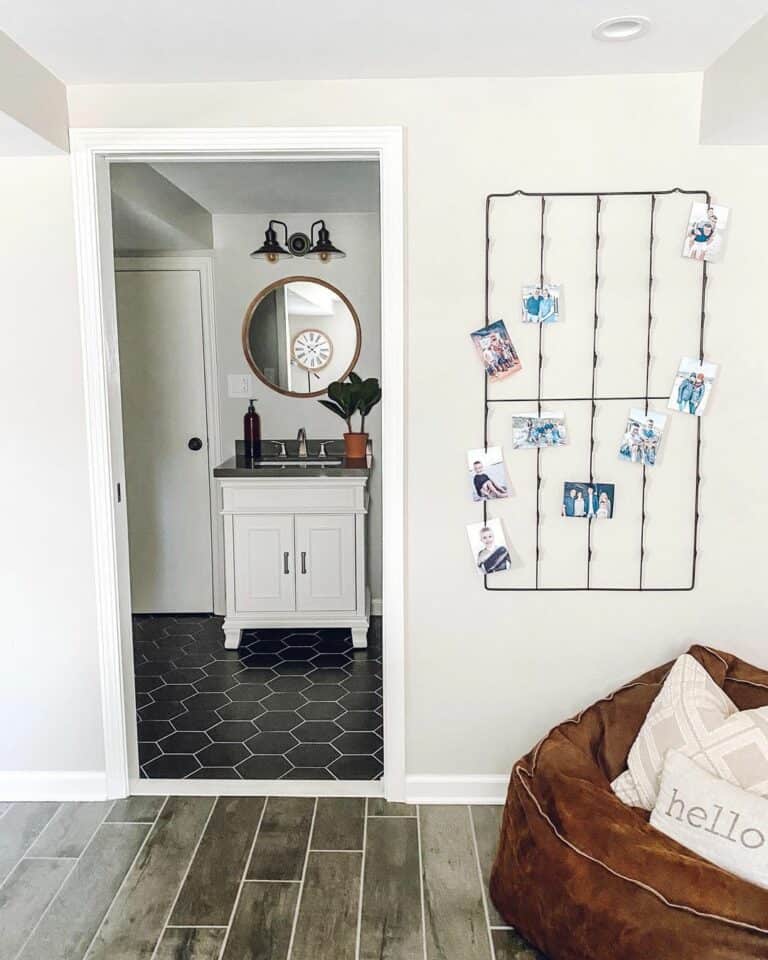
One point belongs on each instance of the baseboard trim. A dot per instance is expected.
(257, 788)
(377, 606)
(478, 788)
(21, 785)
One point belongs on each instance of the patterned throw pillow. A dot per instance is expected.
(693, 715)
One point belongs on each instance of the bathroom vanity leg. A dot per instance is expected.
(231, 638)
(359, 637)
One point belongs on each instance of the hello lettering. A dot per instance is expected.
(729, 822)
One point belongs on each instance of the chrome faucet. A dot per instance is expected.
(301, 439)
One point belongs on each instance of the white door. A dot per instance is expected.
(325, 563)
(162, 374)
(265, 578)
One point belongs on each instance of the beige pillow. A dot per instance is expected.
(722, 823)
(685, 715)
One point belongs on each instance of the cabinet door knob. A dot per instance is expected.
(195, 443)
(285, 562)
(303, 561)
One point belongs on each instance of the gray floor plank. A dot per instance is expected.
(339, 823)
(69, 831)
(209, 891)
(261, 927)
(24, 897)
(136, 809)
(326, 928)
(135, 920)
(74, 917)
(509, 946)
(192, 943)
(18, 828)
(453, 904)
(487, 821)
(391, 916)
(281, 846)
(379, 807)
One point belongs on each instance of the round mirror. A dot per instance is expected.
(299, 335)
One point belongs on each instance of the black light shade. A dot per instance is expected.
(271, 249)
(323, 249)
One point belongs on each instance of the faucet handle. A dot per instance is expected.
(282, 452)
(323, 453)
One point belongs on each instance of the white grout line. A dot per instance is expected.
(303, 878)
(55, 897)
(480, 880)
(421, 883)
(242, 879)
(358, 932)
(135, 860)
(3, 812)
(184, 878)
(499, 926)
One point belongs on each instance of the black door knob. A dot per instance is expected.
(195, 443)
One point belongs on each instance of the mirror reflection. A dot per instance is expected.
(300, 334)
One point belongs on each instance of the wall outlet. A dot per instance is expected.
(240, 385)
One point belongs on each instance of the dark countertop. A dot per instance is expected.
(241, 468)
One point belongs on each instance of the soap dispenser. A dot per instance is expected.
(252, 432)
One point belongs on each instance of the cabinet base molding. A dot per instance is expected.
(233, 627)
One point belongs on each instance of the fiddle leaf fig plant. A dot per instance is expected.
(354, 395)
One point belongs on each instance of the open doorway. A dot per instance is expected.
(288, 697)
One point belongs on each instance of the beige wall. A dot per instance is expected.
(486, 674)
(33, 105)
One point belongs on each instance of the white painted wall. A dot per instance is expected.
(50, 704)
(237, 280)
(487, 674)
(734, 107)
(149, 213)
(33, 105)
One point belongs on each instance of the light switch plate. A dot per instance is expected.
(240, 385)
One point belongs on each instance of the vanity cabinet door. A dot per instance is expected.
(265, 576)
(325, 562)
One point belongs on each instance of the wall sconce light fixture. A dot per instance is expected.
(298, 244)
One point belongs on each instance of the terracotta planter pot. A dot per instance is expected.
(355, 445)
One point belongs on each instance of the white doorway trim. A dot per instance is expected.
(203, 266)
(92, 149)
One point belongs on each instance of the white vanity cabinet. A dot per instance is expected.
(295, 553)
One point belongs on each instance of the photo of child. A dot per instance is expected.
(531, 430)
(705, 235)
(489, 548)
(588, 501)
(487, 475)
(541, 303)
(692, 387)
(642, 437)
(495, 349)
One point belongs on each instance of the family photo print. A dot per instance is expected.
(588, 500)
(487, 475)
(692, 387)
(642, 437)
(532, 430)
(705, 236)
(541, 303)
(489, 548)
(495, 349)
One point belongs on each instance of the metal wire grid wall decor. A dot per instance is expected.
(593, 399)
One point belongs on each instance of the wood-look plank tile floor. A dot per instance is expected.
(250, 878)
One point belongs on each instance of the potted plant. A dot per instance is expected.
(347, 397)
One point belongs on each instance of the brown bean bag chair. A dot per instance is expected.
(584, 877)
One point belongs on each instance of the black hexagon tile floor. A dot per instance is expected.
(287, 705)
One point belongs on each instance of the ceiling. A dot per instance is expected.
(144, 41)
(297, 187)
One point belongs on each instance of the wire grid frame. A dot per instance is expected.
(598, 197)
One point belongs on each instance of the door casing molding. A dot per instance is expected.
(91, 150)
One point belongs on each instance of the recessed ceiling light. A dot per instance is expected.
(622, 28)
